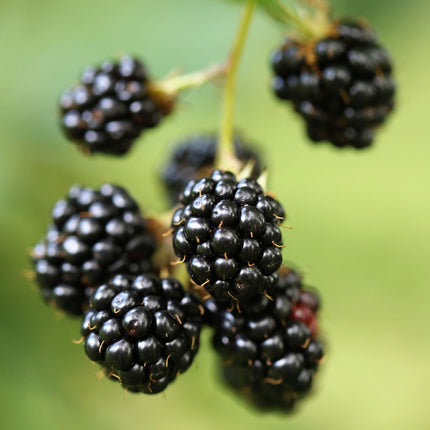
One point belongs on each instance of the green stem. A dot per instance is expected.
(225, 153)
(171, 86)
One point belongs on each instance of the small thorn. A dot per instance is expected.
(277, 246)
(168, 232)
(269, 297)
(78, 342)
(231, 295)
(174, 263)
(305, 345)
(201, 309)
(115, 376)
(285, 226)
(238, 308)
(273, 381)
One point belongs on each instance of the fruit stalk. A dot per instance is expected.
(225, 155)
(171, 86)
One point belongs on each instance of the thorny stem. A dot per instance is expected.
(225, 153)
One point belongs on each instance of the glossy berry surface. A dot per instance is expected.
(227, 232)
(341, 85)
(94, 235)
(110, 107)
(269, 352)
(194, 157)
(143, 331)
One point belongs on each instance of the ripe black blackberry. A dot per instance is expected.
(111, 106)
(270, 354)
(194, 158)
(340, 84)
(143, 331)
(227, 233)
(94, 235)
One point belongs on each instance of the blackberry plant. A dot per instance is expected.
(103, 261)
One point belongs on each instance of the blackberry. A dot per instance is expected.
(142, 330)
(271, 351)
(94, 235)
(227, 233)
(341, 84)
(111, 106)
(194, 157)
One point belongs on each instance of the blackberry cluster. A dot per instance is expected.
(270, 352)
(143, 331)
(194, 157)
(95, 234)
(227, 232)
(110, 107)
(341, 84)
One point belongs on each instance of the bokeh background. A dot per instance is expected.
(361, 219)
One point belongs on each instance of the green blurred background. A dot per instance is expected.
(361, 219)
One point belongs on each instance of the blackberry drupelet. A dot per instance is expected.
(340, 84)
(227, 233)
(270, 351)
(142, 330)
(94, 235)
(194, 157)
(111, 106)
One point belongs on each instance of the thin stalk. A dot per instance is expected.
(171, 86)
(225, 153)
